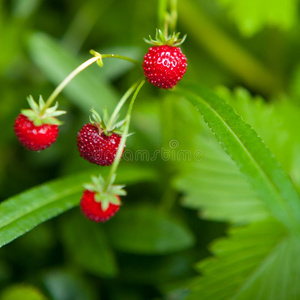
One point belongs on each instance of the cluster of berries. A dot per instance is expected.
(37, 128)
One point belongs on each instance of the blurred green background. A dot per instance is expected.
(40, 43)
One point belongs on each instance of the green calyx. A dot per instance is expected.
(105, 195)
(165, 39)
(106, 125)
(39, 114)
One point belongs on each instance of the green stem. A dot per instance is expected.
(67, 80)
(97, 58)
(167, 16)
(120, 105)
(114, 167)
(121, 57)
(173, 15)
(162, 12)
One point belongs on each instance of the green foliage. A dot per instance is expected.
(213, 183)
(93, 253)
(23, 212)
(277, 123)
(146, 231)
(57, 62)
(259, 261)
(17, 292)
(244, 262)
(251, 16)
(252, 157)
(227, 176)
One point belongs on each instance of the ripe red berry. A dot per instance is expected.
(32, 137)
(97, 147)
(164, 66)
(93, 209)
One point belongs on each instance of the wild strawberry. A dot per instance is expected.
(37, 128)
(94, 210)
(99, 203)
(34, 138)
(96, 143)
(164, 65)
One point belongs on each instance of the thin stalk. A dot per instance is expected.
(167, 16)
(67, 80)
(121, 57)
(97, 58)
(173, 15)
(114, 167)
(162, 12)
(121, 103)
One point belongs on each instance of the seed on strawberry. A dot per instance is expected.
(98, 211)
(97, 147)
(32, 137)
(164, 66)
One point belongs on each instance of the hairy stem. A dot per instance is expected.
(167, 16)
(67, 80)
(120, 105)
(122, 57)
(114, 167)
(97, 58)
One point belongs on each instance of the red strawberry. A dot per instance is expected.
(96, 146)
(164, 66)
(37, 128)
(32, 137)
(96, 210)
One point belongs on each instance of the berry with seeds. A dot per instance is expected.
(100, 202)
(94, 210)
(98, 143)
(34, 138)
(97, 147)
(37, 128)
(164, 65)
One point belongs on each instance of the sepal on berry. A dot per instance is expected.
(39, 114)
(165, 39)
(103, 194)
(106, 125)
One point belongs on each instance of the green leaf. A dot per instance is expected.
(276, 122)
(250, 154)
(23, 212)
(24, 292)
(251, 16)
(259, 261)
(143, 230)
(208, 178)
(56, 62)
(88, 247)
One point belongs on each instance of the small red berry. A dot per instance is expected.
(93, 209)
(97, 147)
(164, 66)
(32, 137)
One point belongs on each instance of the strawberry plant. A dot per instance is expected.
(159, 168)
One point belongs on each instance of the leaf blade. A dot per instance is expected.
(258, 261)
(243, 145)
(23, 212)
